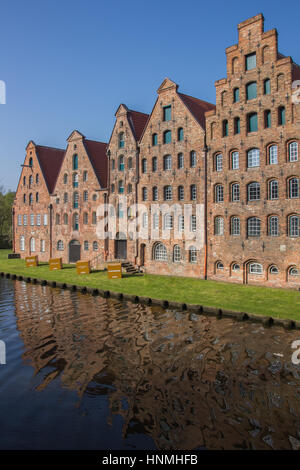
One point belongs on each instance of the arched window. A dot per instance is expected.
(193, 192)
(22, 243)
(267, 86)
(253, 191)
(144, 165)
(65, 178)
(167, 137)
(121, 140)
(253, 158)
(154, 139)
(293, 226)
(273, 189)
(154, 164)
(75, 161)
(237, 125)
(24, 198)
(219, 193)
(268, 118)
(224, 98)
(293, 188)
(75, 180)
(32, 245)
(219, 226)
(235, 226)
(85, 218)
(94, 218)
(30, 199)
(281, 116)
(273, 154)
(30, 161)
(219, 162)
(255, 268)
(121, 187)
(176, 254)
(180, 134)
(30, 181)
(180, 161)
(144, 194)
(121, 163)
(252, 124)
(253, 227)
(160, 252)
(75, 222)
(24, 180)
(219, 265)
(192, 254)
(60, 245)
(167, 162)
(273, 226)
(154, 193)
(193, 159)
(236, 95)
(235, 161)
(75, 200)
(293, 151)
(66, 198)
(293, 271)
(235, 192)
(168, 195)
(180, 193)
(95, 246)
(251, 91)
(273, 269)
(66, 219)
(236, 267)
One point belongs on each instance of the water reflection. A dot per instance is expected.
(185, 381)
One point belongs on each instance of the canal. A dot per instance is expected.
(85, 372)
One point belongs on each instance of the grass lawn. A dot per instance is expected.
(260, 300)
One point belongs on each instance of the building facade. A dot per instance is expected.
(193, 189)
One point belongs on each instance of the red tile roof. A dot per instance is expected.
(97, 155)
(296, 72)
(197, 107)
(138, 122)
(50, 160)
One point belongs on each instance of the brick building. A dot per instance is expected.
(253, 164)
(215, 188)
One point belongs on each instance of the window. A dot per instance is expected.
(273, 226)
(251, 91)
(32, 245)
(37, 197)
(250, 61)
(294, 226)
(145, 220)
(113, 164)
(57, 219)
(30, 181)
(155, 221)
(45, 220)
(192, 254)
(86, 245)
(237, 125)
(253, 158)
(85, 218)
(66, 219)
(30, 199)
(65, 178)
(75, 180)
(30, 161)
(75, 200)
(293, 271)
(24, 180)
(94, 218)
(219, 265)
(293, 152)
(37, 178)
(193, 223)
(267, 86)
(31, 219)
(75, 162)
(112, 188)
(167, 137)
(252, 122)
(180, 134)
(180, 193)
(235, 160)
(38, 220)
(253, 191)
(254, 227)
(235, 192)
(85, 196)
(193, 159)
(144, 165)
(167, 113)
(43, 246)
(219, 162)
(180, 161)
(273, 189)
(66, 198)
(60, 245)
(24, 198)
(168, 193)
(167, 162)
(154, 139)
(129, 188)
(121, 187)
(22, 243)
(121, 140)
(273, 270)
(129, 163)
(255, 268)
(154, 164)
(293, 188)
(75, 222)
(219, 193)
(121, 163)
(268, 119)
(19, 220)
(25, 220)
(144, 194)
(85, 176)
(219, 226)
(236, 95)
(273, 155)
(235, 267)
(181, 222)
(176, 254)
(154, 193)
(281, 116)
(95, 246)
(225, 128)
(193, 192)
(235, 226)
(168, 221)
(160, 252)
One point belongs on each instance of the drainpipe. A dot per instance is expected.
(50, 225)
(13, 230)
(136, 197)
(205, 209)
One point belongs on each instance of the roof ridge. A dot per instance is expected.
(195, 98)
(53, 148)
(97, 141)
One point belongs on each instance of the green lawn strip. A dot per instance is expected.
(279, 303)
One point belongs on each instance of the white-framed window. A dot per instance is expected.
(219, 265)
(60, 245)
(293, 188)
(253, 158)
(25, 220)
(22, 243)
(168, 221)
(193, 223)
(167, 162)
(31, 219)
(235, 226)
(293, 152)
(43, 246)
(193, 191)
(273, 270)
(176, 254)
(180, 193)
(255, 268)
(219, 193)
(294, 226)
(219, 226)
(32, 245)
(293, 271)
(254, 227)
(155, 221)
(192, 254)
(45, 220)
(160, 252)
(273, 155)
(38, 220)
(236, 267)
(86, 245)
(253, 191)
(235, 160)
(219, 162)
(168, 194)
(235, 192)
(193, 159)
(181, 222)
(273, 226)
(95, 246)
(145, 220)
(19, 219)
(273, 189)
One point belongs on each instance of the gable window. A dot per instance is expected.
(167, 137)
(154, 164)
(254, 227)
(235, 226)
(235, 160)
(121, 187)
(293, 152)
(24, 198)
(253, 158)
(236, 95)
(37, 178)
(85, 176)
(251, 91)
(193, 159)
(253, 191)
(30, 161)
(167, 162)
(37, 197)
(252, 122)
(180, 134)
(250, 61)
(219, 162)
(121, 140)
(85, 196)
(75, 200)
(75, 161)
(268, 119)
(75, 180)
(121, 163)
(180, 161)
(113, 164)
(237, 125)
(267, 86)
(167, 113)
(281, 116)
(273, 155)
(154, 139)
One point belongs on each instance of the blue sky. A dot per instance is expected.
(69, 64)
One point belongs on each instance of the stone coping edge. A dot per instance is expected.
(166, 304)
